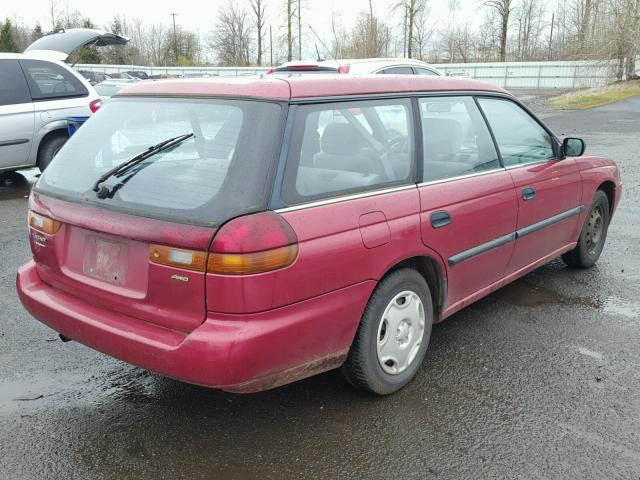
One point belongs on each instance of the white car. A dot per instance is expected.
(362, 66)
(38, 91)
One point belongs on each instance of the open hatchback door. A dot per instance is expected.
(61, 44)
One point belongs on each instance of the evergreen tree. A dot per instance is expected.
(7, 42)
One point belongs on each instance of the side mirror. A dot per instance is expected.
(573, 147)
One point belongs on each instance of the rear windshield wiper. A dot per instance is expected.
(103, 191)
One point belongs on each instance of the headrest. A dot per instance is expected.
(441, 135)
(340, 139)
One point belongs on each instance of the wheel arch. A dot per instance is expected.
(433, 274)
(609, 188)
(62, 132)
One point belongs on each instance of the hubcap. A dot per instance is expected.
(595, 228)
(400, 332)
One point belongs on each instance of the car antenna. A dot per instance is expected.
(321, 43)
(318, 53)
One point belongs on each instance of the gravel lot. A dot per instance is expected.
(539, 380)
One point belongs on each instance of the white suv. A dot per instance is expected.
(38, 91)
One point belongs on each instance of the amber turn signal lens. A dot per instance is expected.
(43, 224)
(178, 257)
(248, 263)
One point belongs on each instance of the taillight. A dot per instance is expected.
(95, 105)
(269, 72)
(43, 224)
(253, 244)
(344, 68)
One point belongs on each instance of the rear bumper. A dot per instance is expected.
(240, 353)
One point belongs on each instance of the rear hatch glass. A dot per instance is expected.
(222, 171)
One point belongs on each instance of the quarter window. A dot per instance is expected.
(348, 147)
(424, 71)
(456, 140)
(398, 71)
(48, 81)
(519, 137)
(13, 86)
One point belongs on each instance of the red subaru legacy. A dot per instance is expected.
(246, 233)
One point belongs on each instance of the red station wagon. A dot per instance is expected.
(245, 233)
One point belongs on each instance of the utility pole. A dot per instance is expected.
(175, 37)
(271, 45)
(404, 41)
(299, 31)
(553, 17)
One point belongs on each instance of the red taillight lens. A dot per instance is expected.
(344, 68)
(253, 244)
(269, 72)
(95, 105)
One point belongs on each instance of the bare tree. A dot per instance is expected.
(529, 15)
(258, 7)
(421, 34)
(231, 39)
(410, 9)
(370, 37)
(502, 8)
(290, 16)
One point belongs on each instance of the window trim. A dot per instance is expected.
(278, 201)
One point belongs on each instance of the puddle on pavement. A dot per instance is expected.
(524, 294)
(17, 184)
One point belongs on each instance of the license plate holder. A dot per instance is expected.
(105, 260)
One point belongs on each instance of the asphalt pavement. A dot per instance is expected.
(540, 380)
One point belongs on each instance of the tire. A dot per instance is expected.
(49, 149)
(385, 355)
(596, 224)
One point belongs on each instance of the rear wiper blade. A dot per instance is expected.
(119, 170)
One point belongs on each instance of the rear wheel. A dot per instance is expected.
(393, 335)
(49, 150)
(593, 234)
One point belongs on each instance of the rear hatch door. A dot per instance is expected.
(61, 44)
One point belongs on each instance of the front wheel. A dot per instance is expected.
(593, 234)
(393, 334)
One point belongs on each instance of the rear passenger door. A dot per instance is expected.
(16, 116)
(549, 190)
(468, 204)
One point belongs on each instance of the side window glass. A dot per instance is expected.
(519, 137)
(348, 147)
(456, 140)
(49, 81)
(13, 85)
(424, 71)
(398, 71)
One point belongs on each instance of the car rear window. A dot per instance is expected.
(219, 173)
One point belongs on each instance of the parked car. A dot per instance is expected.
(246, 233)
(37, 92)
(142, 75)
(94, 78)
(362, 66)
(109, 88)
(123, 76)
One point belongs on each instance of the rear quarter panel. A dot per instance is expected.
(332, 254)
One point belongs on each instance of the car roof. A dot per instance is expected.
(292, 88)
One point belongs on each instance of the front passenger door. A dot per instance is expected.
(549, 190)
(16, 116)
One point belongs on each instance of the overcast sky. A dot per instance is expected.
(200, 15)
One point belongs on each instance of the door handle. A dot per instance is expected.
(528, 194)
(440, 219)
